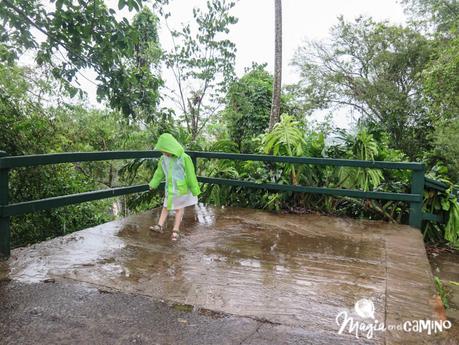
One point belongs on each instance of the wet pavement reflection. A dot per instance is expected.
(294, 270)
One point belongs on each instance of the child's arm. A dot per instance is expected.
(192, 181)
(157, 176)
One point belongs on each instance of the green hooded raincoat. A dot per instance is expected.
(181, 177)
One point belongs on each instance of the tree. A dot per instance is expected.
(85, 34)
(26, 127)
(373, 69)
(202, 62)
(446, 150)
(248, 104)
(275, 107)
(440, 17)
(88, 130)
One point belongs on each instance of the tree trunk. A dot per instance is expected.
(275, 106)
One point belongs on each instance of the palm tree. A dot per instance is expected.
(275, 107)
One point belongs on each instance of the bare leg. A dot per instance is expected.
(178, 220)
(163, 216)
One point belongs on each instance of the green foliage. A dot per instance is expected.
(219, 195)
(248, 105)
(224, 145)
(439, 16)
(444, 204)
(38, 183)
(438, 19)
(286, 138)
(81, 35)
(81, 130)
(30, 134)
(289, 137)
(441, 87)
(361, 147)
(442, 291)
(446, 148)
(26, 127)
(401, 81)
(441, 82)
(373, 69)
(202, 60)
(452, 226)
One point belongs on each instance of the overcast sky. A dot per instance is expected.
(301, 19)
(254, 33)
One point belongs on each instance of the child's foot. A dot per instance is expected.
(157, 228)
(175, 235)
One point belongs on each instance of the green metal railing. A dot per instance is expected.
(438, 186)
(414, 198)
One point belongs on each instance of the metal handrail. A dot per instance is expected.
(11, 162)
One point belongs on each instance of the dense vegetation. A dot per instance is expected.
(400, 82)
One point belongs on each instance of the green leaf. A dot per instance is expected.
(445, 205)
(73, 91)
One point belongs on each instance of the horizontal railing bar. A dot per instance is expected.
(318, 190)
(433, 217)
(430, 183)
(73, 157)
(309, 160)
(54, 202)
(59, 201)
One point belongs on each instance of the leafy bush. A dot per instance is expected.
(289, 137)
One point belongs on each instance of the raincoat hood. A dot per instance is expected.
(167, 143)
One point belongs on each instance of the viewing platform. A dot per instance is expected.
(235, 276)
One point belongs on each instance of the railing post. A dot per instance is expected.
(4, 221)
(417, 187)
(195, 162)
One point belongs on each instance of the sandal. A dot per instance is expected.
(157, 228)
(175, 235)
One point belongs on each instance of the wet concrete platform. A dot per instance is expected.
(291, 274)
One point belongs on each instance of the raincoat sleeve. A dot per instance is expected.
(157, 176)
(192, 181)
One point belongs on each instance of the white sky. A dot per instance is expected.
(254, 33)
(301, 19)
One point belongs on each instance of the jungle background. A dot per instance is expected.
(401, 82)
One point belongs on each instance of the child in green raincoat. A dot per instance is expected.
(181, 188)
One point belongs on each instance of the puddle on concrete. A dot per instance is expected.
(299, 270)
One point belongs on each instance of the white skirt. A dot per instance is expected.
(182, 201)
